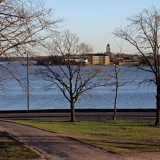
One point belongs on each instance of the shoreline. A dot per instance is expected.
(137, 114)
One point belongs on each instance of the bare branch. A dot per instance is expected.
(143, 33)
(70, 74)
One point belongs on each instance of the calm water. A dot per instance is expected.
(130, 95)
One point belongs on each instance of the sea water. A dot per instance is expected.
(130, 95)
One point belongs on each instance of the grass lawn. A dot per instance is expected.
(12, 149)
(120, 136)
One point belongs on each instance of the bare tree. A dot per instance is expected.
(116, 85)
(143, 33)
(116, 75)
(24, 26)
(22, 23)
(118, 80)
(70, 74)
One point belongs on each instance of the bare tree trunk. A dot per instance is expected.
(70, 74)
(73, 117)
(146, 40)
(158, 106)
(115, 103)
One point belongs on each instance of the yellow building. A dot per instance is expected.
(100, 59)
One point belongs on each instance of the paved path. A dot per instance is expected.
(54, 146)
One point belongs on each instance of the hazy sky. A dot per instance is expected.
(93, 21)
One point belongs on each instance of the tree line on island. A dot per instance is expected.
(29, 27)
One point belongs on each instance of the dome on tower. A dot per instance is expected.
(108, 48)
(108, 45)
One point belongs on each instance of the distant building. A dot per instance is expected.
(108, 48)
(100, 59)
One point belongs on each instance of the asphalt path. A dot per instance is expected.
(53, 146)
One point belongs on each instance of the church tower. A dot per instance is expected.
(108, 48)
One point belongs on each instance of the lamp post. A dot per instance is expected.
(28, 84)
(28, 91)
(28, 87)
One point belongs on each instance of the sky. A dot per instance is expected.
(94, 21)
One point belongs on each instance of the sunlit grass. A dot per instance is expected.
(121, 136)
(12, 149)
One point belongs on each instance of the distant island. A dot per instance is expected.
(107, 58)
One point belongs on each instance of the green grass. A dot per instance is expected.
(12, 149)
(120, 136)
